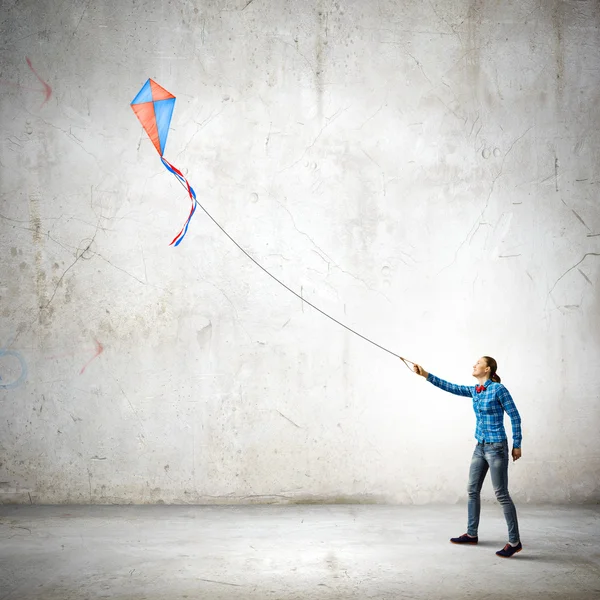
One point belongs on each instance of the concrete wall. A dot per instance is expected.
(426, 172)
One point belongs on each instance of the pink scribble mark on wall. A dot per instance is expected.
(99, 350)
(47, 88)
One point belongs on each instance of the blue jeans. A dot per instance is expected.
(494, 457)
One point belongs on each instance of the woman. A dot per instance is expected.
(490, 400)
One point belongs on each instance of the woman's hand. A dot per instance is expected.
(419, 370)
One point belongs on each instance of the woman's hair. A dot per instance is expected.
(493, 365)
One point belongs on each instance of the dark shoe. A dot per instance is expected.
(509, 550)
(465, 539)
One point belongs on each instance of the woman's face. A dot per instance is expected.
(480, 368)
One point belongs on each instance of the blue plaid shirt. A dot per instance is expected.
(489, 407)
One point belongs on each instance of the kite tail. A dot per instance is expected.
(179, 237)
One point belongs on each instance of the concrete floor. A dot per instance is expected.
(303, 552)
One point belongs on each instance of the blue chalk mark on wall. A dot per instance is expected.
(11, 375)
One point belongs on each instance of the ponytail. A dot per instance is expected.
(493, 365)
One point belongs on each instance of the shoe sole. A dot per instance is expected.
(464, 543)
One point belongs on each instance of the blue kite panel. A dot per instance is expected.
(144, 95)
(163, 109)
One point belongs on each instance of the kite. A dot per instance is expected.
(153, 106)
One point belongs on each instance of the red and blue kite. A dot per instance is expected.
(153, 106)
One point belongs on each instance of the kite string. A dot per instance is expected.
(183, 181)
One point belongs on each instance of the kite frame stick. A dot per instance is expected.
(404, 360)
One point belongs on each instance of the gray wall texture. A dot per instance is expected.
(425, 172)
